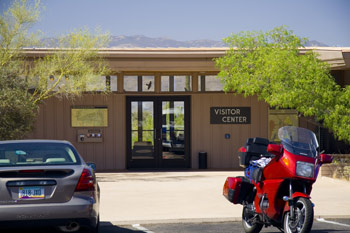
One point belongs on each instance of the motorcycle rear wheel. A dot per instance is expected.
(246, 222)
(304, 217)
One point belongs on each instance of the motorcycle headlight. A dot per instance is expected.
(305, 169)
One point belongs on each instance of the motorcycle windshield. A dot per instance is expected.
(298, 141)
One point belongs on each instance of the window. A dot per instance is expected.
(95, 83)
(176, 83)
(210, 83)
(139, 83)
(37, 153)
(111, 83)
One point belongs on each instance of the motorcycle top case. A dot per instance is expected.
(237, 189)
(254, 149)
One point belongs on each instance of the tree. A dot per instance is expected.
(71, 68)
(271, 66)
(17, 112)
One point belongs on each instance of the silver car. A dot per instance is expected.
(47, 183)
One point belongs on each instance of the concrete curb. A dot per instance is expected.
(169, 221)
(332, 216)
(201, 220)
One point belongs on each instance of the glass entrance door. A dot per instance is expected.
(173, 129)
(158, 132)
(142, 130)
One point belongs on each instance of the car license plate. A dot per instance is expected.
(31, 193)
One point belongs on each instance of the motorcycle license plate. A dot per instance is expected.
(27, 193)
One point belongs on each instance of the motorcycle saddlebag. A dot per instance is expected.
(237, 189)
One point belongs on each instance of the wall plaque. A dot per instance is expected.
(230, 115)
(281, 117)
(87, 116)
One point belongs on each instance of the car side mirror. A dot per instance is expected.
(92, 166)
(325, 158)
(275, 149)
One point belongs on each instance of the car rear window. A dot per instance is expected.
(24, 154)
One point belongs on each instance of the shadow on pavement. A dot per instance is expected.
(107, 227)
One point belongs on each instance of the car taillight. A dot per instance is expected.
(86, 181)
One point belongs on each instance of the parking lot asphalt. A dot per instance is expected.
(194, 196)
(319, 226)
(219, 227)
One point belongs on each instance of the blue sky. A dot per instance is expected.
(327, 21)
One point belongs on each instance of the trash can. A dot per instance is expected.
(202, 160)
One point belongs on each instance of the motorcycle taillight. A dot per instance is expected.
(242, 149)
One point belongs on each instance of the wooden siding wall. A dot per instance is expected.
(222, 153)
(54, 122)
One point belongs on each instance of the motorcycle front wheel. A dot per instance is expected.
(248, 222)
(304, 217)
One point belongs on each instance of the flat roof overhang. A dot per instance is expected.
(186, 59)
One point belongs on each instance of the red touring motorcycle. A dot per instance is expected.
(278, 181)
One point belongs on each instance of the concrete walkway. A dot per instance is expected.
(194, 196)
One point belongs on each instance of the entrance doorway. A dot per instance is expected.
(158, 132)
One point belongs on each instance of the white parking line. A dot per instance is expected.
(141, 228)
(331, 222)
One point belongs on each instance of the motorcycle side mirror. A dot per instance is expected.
(325, 158)
(274, 149)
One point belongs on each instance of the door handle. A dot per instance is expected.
(158, 134)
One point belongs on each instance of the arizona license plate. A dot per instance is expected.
(31, 193)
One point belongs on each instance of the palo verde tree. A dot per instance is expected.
(271, 66)
(67, 70)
